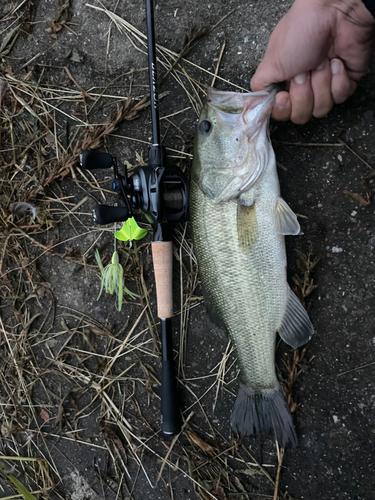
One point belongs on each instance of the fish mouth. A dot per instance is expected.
(218, 96)
(240, 103)
(249, 111)
(243, 108)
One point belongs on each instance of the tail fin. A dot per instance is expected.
(264, 411)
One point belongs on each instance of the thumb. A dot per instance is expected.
(265, 75)
(271, 69)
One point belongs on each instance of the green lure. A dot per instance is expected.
(130, 231)
(112, 279)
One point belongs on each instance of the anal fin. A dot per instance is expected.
(285, 219)
(296, 328)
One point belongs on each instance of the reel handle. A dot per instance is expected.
(92, 160)
(105, 214)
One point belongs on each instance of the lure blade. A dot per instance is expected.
(130, 231)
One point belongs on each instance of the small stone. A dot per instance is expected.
(335, 418)
(336, 250)
(368, 115)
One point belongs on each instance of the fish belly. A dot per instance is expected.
(245, 283)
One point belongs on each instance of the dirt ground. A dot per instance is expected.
(80, 381)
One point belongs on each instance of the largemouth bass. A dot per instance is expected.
(239, 221)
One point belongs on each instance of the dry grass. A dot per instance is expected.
(304, 284)
(295, 362)
(61, 366)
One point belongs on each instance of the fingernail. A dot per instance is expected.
(281, 101)
(335, 66)
(321, 66)
(301, 78)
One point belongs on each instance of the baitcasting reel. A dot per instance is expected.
(161, 192)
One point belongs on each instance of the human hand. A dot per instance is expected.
(322, 48)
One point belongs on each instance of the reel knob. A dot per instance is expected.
(91, 160)
(105, 214)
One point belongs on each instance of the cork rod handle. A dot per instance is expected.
(162, 257)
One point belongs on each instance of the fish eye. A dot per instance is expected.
(205, 127)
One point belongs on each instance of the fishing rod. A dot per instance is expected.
(161, 191)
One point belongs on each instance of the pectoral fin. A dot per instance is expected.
(285, 219)
(247, 226)
(296, 328)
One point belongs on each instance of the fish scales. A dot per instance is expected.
(233, 295)
(239, 243)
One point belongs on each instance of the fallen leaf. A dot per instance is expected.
(200, 443)
(25, 261)
(8, 69)
(44, 415)
(43, 288)
(5, 431)
(359, 198)
(52, 243)
(368, 186)
(251, 472)
(4, 199)
(69, 251)
(74, 56)
(362, 227)
(51, 343)
(50, 140)
(56, 27)
(218, 490)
